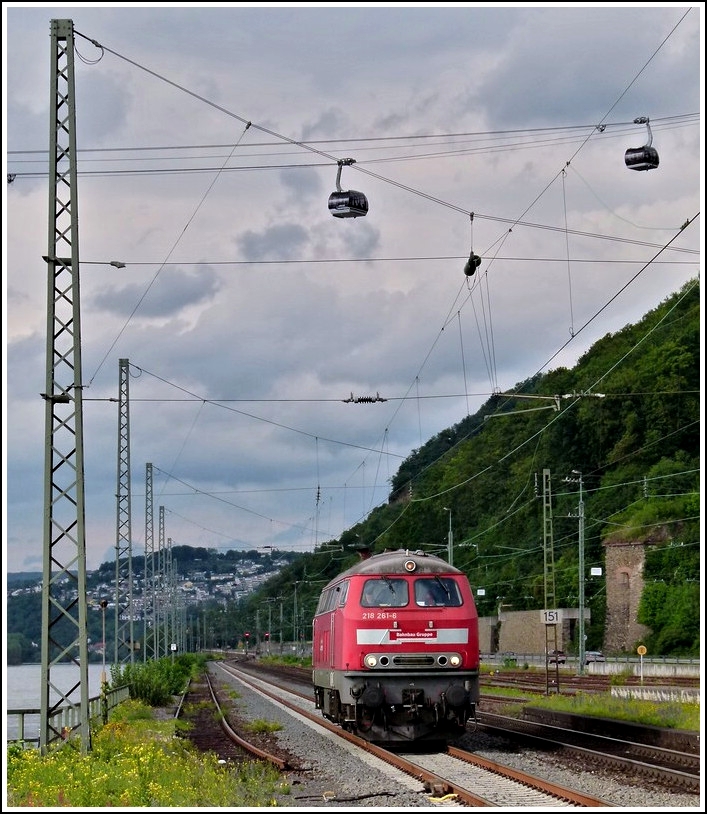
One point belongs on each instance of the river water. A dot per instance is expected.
(21, 689)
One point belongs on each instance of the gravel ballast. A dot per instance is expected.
(334, 775)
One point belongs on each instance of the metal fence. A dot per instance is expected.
(23, 724)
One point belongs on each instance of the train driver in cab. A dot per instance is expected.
(429, 593)
(378, 593)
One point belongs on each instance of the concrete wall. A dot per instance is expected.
(683, 695)
(526, 631)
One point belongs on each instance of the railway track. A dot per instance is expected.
(569, 683)
(675, 770)
(210, 730)
(456, 776)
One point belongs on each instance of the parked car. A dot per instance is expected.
(593, 655)
(557, 657)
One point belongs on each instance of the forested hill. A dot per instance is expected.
(626, 426)
(628, 421)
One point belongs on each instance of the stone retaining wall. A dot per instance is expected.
(649, 669)
(684, 695)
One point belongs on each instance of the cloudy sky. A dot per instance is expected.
(254, 322)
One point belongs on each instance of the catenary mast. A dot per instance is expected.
(64, 622)
(124, 640)
(150, 650)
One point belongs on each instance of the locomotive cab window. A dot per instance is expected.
(384, 593)
(333, 597)
(437, 591)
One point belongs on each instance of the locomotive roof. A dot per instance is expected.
(393, 562)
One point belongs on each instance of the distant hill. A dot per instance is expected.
(21, 579)
(628, 419)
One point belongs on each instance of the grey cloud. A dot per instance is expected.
(304, 183)
(279, 242)
(102, 105)
(362, 239)
(332, 120)
(542, 77)
(172, 290)
(291, 340)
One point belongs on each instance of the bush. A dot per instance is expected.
(136, 762)
(155, 682)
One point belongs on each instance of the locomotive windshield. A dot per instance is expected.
(388, 592)
(385, 593)
(439, 591)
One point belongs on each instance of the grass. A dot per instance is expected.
(506, 692)
(289, 660)
(261, 726)
(136, 761)
(672, 715)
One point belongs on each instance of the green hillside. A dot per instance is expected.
(627, 418)
(637, 447)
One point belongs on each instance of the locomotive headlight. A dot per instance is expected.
(370, 661)
(455, 661)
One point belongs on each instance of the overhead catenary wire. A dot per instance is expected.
(417, 379)
(561, 173)
(418, 396)
(309, 147)
(18, 161)
(161, 267)
(221, 403)
(627, 127)
(487, 468)
(567, 248)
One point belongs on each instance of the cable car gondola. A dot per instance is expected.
(347, 203)
(642, 158)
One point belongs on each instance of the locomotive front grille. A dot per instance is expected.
(414, 660)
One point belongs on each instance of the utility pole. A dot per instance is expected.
(450, 539)
(269, 631)
(580, 515)
(64, 605)
(124, 640)
(104, 678)
(580, 511)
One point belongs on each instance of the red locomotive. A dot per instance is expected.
(395, 649)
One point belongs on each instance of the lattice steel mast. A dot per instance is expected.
(162, 613)
(64, 621)
(149, 610)
(124, 642)
(548, 542)
(549, 576)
